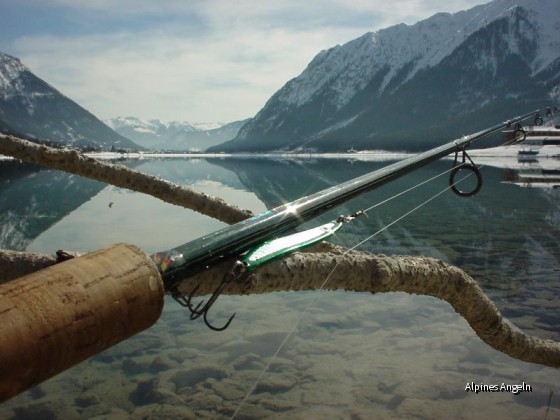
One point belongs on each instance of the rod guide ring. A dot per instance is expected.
(468, 167)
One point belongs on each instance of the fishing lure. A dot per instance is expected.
(276, 248)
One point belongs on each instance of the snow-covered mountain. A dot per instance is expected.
(32, 108)
(412, 86)
(175, 135)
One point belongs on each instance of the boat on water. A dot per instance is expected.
(527, 154)
(542, 136)
(538, 142)
(535, 177)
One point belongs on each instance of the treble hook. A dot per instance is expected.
(197, 311)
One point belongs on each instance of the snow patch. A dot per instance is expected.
(155, 126)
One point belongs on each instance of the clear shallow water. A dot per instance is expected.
(354, 355)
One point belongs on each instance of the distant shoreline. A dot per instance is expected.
(366, 155)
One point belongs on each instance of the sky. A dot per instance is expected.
(188, 60)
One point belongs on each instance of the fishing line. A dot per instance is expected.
(412, 188)
(327, 278)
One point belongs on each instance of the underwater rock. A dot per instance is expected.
(229, 390)
(280, 364)
(134, 366)
(261, 344)
(182, 355)
(388, 388)
(276, 383)
(46, 410)
(37, 392)
(278, 404)
(162, 363)
(371, 395)
(87, 399)
(163, 412)
(394, 402)
(104, 411)
(323, 397)
(189, 377)
(152, 392)
(452, 394)
(248, 361)
(537, 398)
(206, 401)
(474, 368)
(114, 413)
(256, 412)
(133, 347)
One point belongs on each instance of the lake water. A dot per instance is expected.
(354, 355)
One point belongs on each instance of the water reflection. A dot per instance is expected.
(353, 355)
(34, 199)
(43, 210)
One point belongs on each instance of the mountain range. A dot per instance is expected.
(31, 108)
(406, 87)
(175, 135)
(414, 86)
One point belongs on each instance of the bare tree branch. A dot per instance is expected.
(14, 264)
(75, 163)
(364, 272)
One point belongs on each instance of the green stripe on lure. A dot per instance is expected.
(276, 248)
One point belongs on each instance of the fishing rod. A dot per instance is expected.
(247, 237)
(57, 317)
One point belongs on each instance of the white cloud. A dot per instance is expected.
(200, 61)
(151, 76)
